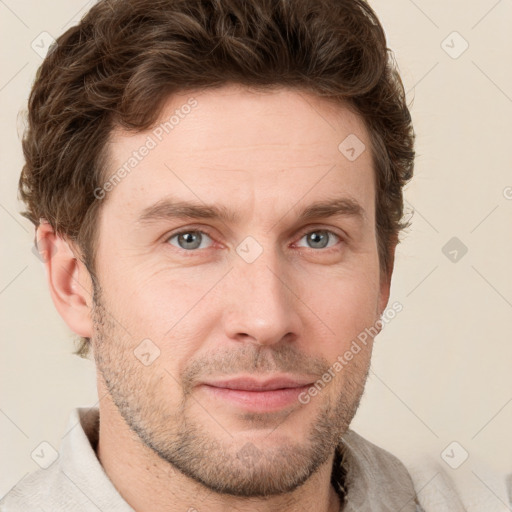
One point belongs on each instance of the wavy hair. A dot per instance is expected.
(125, 58)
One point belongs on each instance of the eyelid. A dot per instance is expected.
(322, 227)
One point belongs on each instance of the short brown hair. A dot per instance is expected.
(125, 58)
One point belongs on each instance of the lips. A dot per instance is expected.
(258, 395)
(251, 384)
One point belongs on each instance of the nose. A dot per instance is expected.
(262, 305)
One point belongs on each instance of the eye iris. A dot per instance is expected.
(192, 240)
(318, 241)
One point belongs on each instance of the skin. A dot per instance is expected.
(167, 443)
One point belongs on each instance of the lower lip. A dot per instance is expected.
(258, 400)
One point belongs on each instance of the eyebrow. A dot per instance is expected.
(168, 208)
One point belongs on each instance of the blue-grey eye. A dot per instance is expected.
(319, 238)
(189, 240)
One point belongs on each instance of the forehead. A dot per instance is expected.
(235, 145)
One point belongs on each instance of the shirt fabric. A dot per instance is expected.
(372, 479)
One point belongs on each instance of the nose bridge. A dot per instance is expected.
(261, 306)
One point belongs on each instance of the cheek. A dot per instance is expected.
(345, 306)
(172, 308)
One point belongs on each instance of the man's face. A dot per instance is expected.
(266, 294)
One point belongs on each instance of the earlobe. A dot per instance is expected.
(68, 279)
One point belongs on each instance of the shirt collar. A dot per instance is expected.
(375, 481)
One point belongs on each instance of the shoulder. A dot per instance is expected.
(74, 482)
(33, 492)
(474, 486)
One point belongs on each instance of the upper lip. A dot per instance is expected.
(253, 384)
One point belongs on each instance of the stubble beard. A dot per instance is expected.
(223, 463)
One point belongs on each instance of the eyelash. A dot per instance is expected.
(306, 231)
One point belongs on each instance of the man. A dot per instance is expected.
(217, 192)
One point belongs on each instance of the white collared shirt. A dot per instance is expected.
(374, 479)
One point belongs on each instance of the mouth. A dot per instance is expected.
(259, 395)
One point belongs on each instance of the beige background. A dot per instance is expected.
(442, 367)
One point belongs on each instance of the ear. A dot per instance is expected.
(385, 278)
(68, 279)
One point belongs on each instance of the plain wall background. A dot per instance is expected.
(442, 368)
